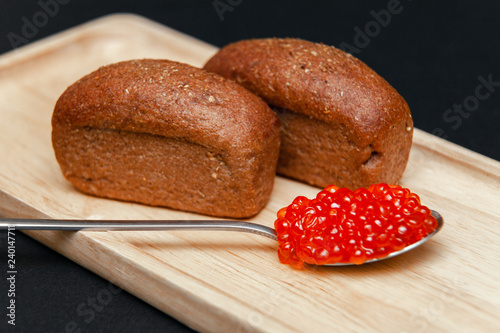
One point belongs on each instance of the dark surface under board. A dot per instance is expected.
(442, 57)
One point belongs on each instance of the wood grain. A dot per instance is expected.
(217, 282)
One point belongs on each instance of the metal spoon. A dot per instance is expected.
(144, 225)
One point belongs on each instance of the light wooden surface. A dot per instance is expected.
(217, 282)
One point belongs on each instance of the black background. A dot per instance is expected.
(433, 52)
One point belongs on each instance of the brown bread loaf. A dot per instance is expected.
(168, 134)
(341, 123)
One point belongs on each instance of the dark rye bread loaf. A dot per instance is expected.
(164, 133)
(341, 123)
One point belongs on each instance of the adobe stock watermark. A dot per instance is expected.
(87, 310)
(381, 19)
(456, 115)
(32, 25)
(265, 309)
(436, 307)
(11, 275)
(223, 6)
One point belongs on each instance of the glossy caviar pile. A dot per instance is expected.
(341, 225)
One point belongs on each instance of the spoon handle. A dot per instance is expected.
(137, 225)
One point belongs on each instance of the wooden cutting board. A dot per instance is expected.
(217, 282)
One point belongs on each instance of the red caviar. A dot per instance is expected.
(341, 226)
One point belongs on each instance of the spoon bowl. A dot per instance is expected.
(145, 225)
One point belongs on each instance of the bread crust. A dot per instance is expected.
(165, 133)
(366, 125)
